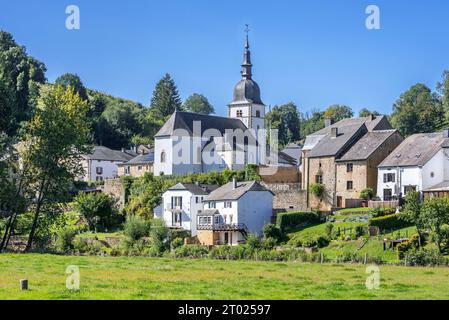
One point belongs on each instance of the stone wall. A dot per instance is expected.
(287, 196)
(114, 188)
(282, 175)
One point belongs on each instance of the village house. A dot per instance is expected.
(293, 150)
(139, 165)
(420, 163)
(343, 157)
(233, 211)
(103, 163)
(181, 203)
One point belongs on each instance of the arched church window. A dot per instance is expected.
(162, 156)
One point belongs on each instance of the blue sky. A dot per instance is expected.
(314, 53)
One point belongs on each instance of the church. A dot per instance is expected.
(193, 143)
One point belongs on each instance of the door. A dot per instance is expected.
(226, 238)
(387, 194)
(339, 202)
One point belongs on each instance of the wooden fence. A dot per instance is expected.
(383, 204)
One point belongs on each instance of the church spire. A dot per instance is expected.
(247, 66)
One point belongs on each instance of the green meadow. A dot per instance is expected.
(167, 278)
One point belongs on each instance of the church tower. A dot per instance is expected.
(246, 104)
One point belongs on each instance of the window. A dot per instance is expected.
(408, 189)
(212, 205)
(228, 204)
(257, 113)
(139, 168)
(163, 157)
(197, 199)
(99, 170)
(99, 178)
(432, 174)
(239, 113)
(349, 185)
(319, 165)
(319, 179)
(217, 219)
(387, 194)
(389, 177)
(230, 218)
(349, 167)
(176, 202)
(127, 170)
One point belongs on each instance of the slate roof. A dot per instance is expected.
(416, 150)
(376, 123)
(141, 159)
(366, 145)
(442, 186)
(106, 154)
(184, 120)
(197, 189)
(334, 146)
(227, 192)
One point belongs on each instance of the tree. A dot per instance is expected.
(338, 112)
(55, 140)
(417, 110)
(285, 118)
(165, 98)
(435, 217)
(366, 113)
(74, 81)
(443, 90)
(97, 209)
(311, 123)
(6, 107)
(412, 212)
(198, 103)
(21, 74)
(367, 194)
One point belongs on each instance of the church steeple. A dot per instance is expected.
(247, 66)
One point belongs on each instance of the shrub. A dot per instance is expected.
(231, 252)
(411, 244)
(65, 238)
(317, 189)
(424, 257)
(378, 212)
(360, 231)
(392, 221)
(310, 241)
(192, 251)
(253, 242)
(329, 229)
(289, 220)
(177, 242)
(272, 231)
(367, 194)
(98, 209)
(159, 235)
(136, 228)
(269, 243)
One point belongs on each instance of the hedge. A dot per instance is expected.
(289, 220)
(392, 221)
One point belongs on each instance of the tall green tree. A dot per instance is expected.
(435, 214)
(165, 98)
(74, 81)
(198, 103)
(56, 138)
(21, 74)
(418, 110)
(365, 112)
(443, 90)
(338, 112)
(286, 119)
(310, 123)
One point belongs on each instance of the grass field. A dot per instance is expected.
(152, 278)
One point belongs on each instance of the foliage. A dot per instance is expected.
(392, 221)
(423, 257)
(197, 103)
(136, 228)
(309, 241)
(55, 140)
(317, 189)
(165, 98)
(310, 123)
(98, 209)
(290, 220)
(253, 242)
(272, 231)
(251, 173)
(74, 81)
(435, 215)
(329, 229)
(338, 112)
(380, 212)
(159, 235)
(65, 239)
(366, 113)
(286, 119)
(367, 194)
(192, 251)
(417, 110)
(411, 244)
(176, 243)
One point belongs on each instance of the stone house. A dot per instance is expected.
(342, 157)
(137, 166)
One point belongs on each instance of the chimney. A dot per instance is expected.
(327, 122)
(234, 183)
(446, 133)
(334, 132)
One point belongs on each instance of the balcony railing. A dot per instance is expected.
(223, 227)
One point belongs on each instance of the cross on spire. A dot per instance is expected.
(247, 36)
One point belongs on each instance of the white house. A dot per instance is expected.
(181, 146)
(103, 163)
(233, 211)
(182, 202)
(419, 163)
